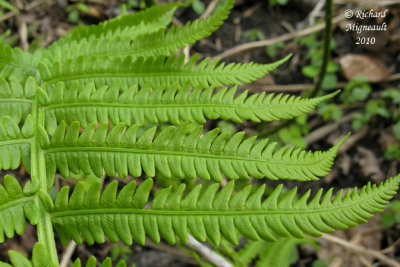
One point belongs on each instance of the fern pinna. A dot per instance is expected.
(117, 98)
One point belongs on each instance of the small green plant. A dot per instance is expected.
(198, 6)
(86, 105)
(314, 53)
(356, 90)
(392, 216)
(254, 35)
(279, 2)
(75, 10)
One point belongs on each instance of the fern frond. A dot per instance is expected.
(134, 106)
(128, 26)
(15, 207)
(208, 214)
(16, 99)
(178, 152)
(158, 43)
(14, 62)
(15, 143)
(157, 71)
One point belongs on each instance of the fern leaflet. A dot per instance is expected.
(209, 214)
(132, 25)
(15, 143)
(14, 62)
(15, 99)
(140, 106)
(15, 206)
(153, 44)
(180, 152)
(155, 71)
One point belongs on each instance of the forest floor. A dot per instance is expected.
(368, 74)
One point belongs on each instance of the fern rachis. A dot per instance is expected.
(90, 114)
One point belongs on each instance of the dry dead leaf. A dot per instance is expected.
(345, 163)
(366, 65)
(386, 139)
(369, 164)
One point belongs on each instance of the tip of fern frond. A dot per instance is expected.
(341, 141)
(396, 179)
(285, 58)
(328, 96)
(331, 95)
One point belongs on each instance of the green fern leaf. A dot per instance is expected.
(153, 44)
(14, 62)
(132, 25)
(157, 71)
(17, 259)
(133, 106)
(15, 206)
(173, 151)
(210, 214)
(15, 143)
(16, 99)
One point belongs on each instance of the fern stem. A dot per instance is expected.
(38, 172)
(327, 47)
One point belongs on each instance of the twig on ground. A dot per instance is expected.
(209, 9)
(393, 77)
(67, 254)
(360, 250)
(323, 131)
(29, 6)
(290, 87)
(364, 261)
(207, 253)
(315, 11)
(309, 86)
(286, 37)
(392, 247)
(7, 15)
(353, 139)
(22, 33)
(186, 52)
(172, 250)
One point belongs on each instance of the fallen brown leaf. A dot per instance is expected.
(369, 164)
(369, 66)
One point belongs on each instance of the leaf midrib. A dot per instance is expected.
(209, 212)
(158, 151)
(15, 100)
(16, 202)
(161, 105)
(15, 142)
(107, 75)
(30, 67)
